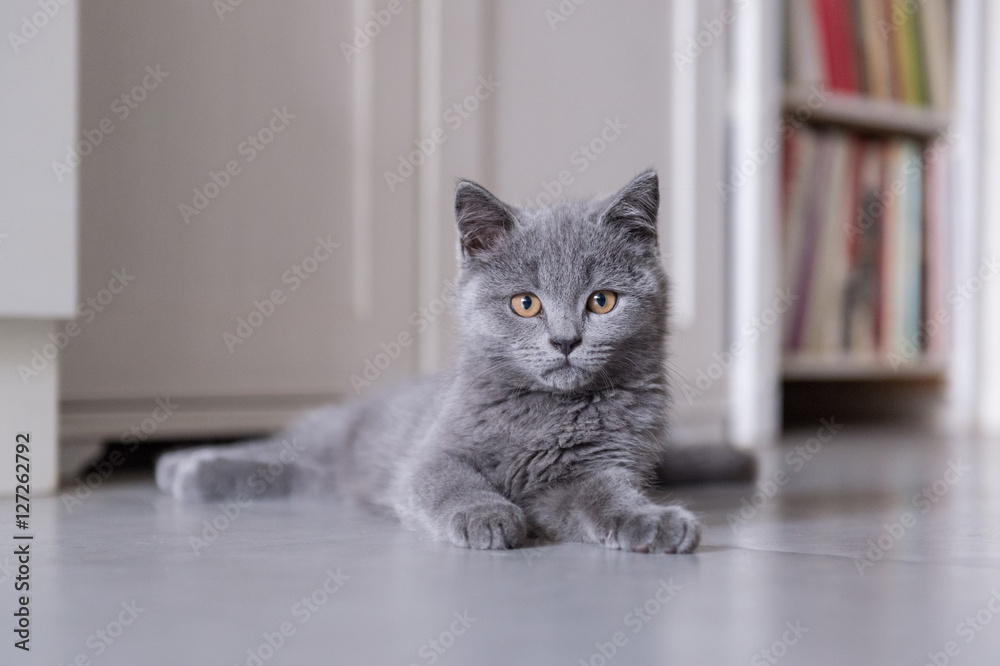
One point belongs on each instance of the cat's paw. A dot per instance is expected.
(670, 529)
(181, 473)
(211, 473)
(166, 469)
(488, 527)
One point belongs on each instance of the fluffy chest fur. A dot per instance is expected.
(536, 439)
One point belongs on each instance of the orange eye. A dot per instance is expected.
(602, 302)
(526, 304)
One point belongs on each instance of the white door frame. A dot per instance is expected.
(755, 85)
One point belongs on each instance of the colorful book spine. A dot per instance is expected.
(836, 31)
(903, 29)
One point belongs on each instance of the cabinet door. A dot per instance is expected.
(585, 105)
(235, 205)
(37, 130)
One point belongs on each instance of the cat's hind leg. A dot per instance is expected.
(258, 469)
(302, 459)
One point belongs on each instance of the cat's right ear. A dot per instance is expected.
(633, 209)
(483, 220)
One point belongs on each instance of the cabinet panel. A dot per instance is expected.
(37, 178)
(225, 197)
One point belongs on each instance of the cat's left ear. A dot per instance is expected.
(633, 208)
(483, 220)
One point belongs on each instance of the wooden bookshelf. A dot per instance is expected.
(866, 114)
(878, 87)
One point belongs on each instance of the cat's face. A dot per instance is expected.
(567, 298)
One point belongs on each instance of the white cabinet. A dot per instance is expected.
(228, 193)
(37, 226)
(37, 187)
(220, 316)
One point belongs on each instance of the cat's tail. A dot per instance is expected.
(303, 458)
(709, 463)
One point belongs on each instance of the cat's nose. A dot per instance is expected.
(565, 345)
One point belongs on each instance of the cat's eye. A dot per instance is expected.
(526, 304)
(602, 302)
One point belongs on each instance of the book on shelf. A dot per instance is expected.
(862, 227)
(892, 50)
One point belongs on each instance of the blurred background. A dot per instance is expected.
(219, 214)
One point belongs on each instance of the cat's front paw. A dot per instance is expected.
(488, 527)
(670, 529)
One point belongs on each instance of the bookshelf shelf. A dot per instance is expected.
(850, 368)
(866, 207)
(878, 216)
(867, 114)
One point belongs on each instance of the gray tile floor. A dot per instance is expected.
(868, 552)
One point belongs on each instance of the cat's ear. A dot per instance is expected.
(483, 220)
(633, 208)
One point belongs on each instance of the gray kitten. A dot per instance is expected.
(554, 420)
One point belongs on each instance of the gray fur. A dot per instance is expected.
(519, 439)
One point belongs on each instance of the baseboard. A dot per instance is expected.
(158, 419)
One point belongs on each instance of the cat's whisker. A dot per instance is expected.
(607, 378)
